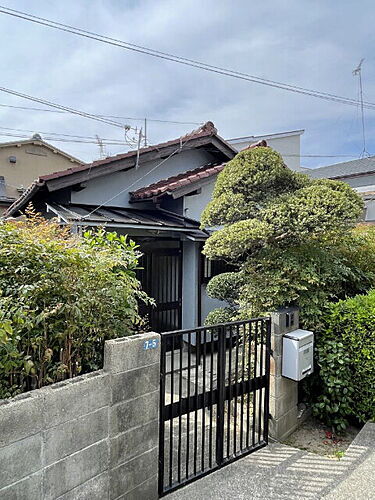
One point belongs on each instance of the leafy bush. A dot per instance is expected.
(219, 315)
(310, 276)
(346, 357)
(61, 296)
(225, 286)
(290, 237)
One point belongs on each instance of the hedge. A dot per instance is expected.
(346, 358)
(61, 297)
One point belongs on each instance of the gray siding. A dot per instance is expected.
(100, 190)
(195, 204)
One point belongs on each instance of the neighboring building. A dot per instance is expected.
(288, 144)
(360, 174)
(21, 162)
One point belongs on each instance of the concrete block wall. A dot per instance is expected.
(94, 437)
(283, 391)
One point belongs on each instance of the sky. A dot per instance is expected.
(314, 44)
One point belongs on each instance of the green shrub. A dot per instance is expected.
(290, 237)
(219, 315)
(225, 286)
(346, 357)
(61, 296)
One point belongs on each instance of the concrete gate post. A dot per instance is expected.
(134, 366)
(283, 391)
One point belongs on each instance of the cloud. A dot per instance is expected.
(311, 44)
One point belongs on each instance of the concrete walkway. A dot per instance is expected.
(282, 472)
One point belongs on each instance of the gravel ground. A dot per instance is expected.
(315, 437)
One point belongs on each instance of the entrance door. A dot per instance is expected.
(213, 400)
(161, 279)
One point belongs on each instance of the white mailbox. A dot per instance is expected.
(298, 354)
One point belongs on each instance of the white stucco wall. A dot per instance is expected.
(288, 146)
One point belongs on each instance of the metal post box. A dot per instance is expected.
(298, 354)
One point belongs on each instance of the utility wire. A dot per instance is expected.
(27, 108)
(121, 141)
(181, 60)
(64, 108)
(108, 142)
(58, 139)
(178, 59)
(182, 144)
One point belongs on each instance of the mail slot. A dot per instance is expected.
(298, 349)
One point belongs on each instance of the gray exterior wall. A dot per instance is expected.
(190, 269)
(93, 437)
(195, 204)
(209, 304)
(100, 190)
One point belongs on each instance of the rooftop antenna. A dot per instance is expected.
(358, 72)
(138, 148)
(102, 152)
(145, 133)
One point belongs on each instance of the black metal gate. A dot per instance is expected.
(161, 279)
(214, 398)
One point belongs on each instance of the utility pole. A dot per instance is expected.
(358, 72)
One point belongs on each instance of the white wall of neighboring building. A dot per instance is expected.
(288, 144)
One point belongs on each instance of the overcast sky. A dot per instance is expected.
(314, 44)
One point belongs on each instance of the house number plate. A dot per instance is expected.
(150, 344)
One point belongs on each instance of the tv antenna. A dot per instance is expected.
(102, 152)
(358, 72)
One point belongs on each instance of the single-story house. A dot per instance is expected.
(359, 174)
(155, 195)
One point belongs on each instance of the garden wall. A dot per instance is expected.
(95, 436)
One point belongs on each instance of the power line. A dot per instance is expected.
(182, 144)
(319, 156)
(77, 141)
(117, 142)
(180, 60)
(63, 135)
(65, 108)
(176, 122)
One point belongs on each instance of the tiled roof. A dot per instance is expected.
(176, 182)
(206, 130)
(345, 169)
(206, 134)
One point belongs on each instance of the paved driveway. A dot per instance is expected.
(282, 472)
